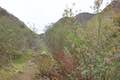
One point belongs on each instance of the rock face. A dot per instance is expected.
(114, 6)
(83, 18)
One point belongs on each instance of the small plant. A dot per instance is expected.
(116, 20)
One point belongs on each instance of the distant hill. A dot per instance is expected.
(83, 18)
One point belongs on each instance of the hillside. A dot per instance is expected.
(87, 53)
(17, 45)
(15, 37)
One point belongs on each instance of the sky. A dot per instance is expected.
(40, 13)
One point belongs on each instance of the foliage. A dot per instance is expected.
(116, 21)
(17, 43)
(14, 39)
(73, 52)
(91, 62)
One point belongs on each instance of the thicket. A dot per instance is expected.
(93, 50)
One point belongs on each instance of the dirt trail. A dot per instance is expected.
(28, 73)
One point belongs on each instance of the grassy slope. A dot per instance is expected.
(16, 43)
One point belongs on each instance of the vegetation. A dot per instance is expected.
(93, 51)
(17, 43)
(68, 50)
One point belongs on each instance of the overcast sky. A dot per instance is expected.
(40, 13)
